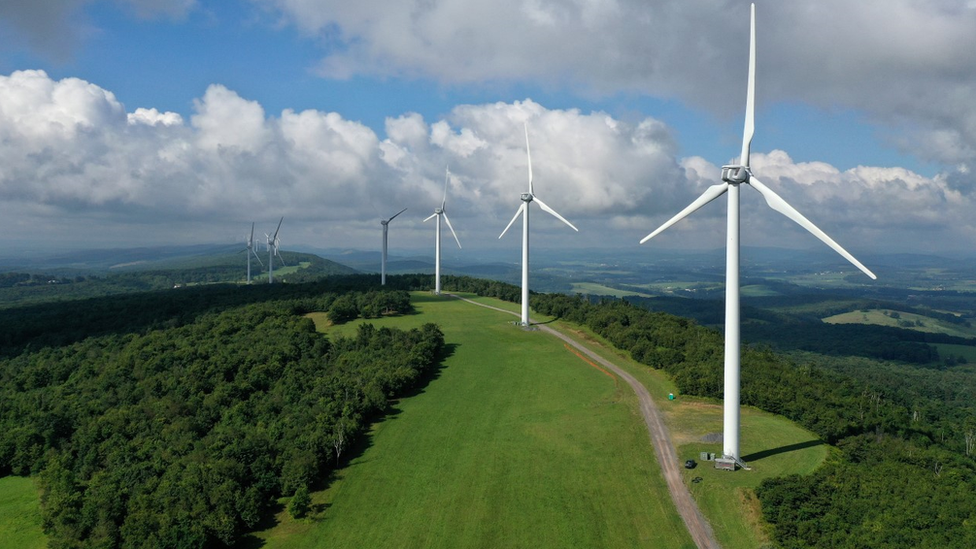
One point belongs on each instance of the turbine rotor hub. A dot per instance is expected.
(527, 197)
(735, 174)
(439, 211)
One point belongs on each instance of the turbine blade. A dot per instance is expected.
(528, 153)
(750, 125)
(432, 216)
(780, 205)
(250, 241)
(398, 213)
(546, 208)
(517, 213)
(256, 257)
(279, 227)
(447, 177)
(710, 194)
(452, 230)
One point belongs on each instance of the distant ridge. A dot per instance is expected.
(161, 258)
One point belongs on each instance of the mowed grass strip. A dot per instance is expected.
(772, 445)
(20, 514)
(516, 443)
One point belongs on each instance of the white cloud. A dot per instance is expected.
(904, 63)
(152, 117)
(75, 160)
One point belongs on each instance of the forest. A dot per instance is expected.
(903, 472)
(175, 419)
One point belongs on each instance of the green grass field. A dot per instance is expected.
(20, 514)
(774, 445)
(592, 288)
(758, 290)
(517, 443)
(911, 321)
(966, 351)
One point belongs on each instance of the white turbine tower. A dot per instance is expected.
(732, 176)
(250, 251)
(523, 210)
(273, 243)
(386, 223)
(438, 213)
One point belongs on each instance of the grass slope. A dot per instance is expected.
(517, 443)
(20, 514)
(772, 445)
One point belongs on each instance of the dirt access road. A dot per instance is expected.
(667, 456)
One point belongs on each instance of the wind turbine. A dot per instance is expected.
(273, 243)
(386, 223)
(250, 251)
(734, 175)
(438, 212)
(523, 210)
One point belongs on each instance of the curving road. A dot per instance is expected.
(667, 456)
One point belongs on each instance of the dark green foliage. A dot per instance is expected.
(300, 503)
(343, 309)
(180, 434)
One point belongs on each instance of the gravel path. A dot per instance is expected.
(667, 456)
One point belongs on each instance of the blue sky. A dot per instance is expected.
(333, 113)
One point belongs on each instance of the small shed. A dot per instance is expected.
(725, 464)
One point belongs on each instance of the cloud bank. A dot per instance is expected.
(76, 164)
(905, 64)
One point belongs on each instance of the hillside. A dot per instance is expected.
(86, 386)
(169, 269)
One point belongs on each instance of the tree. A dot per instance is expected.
(300, 503)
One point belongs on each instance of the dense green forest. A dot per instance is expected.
(174, 419)
(904, 473)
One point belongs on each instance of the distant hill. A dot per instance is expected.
(110, 272)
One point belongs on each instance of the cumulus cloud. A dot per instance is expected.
(77, 162)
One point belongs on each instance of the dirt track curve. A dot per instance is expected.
(667, 456)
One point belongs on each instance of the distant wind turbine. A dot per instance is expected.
(386, 223)
(250, 251)
(523, 210)
(734, 175)
(273, 244)
(438, 213)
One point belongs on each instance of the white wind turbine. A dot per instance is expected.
(386, 223)
(273, 243)
(250, 251)
(523, 210)
(438, 213)
(732, 176)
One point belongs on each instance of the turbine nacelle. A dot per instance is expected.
(735, 174)
(527, 197)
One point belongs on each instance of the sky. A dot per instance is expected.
(158, 122)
